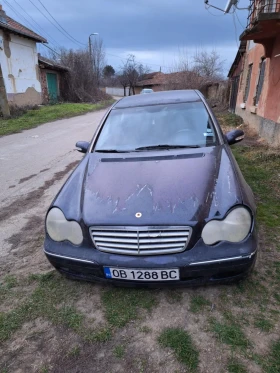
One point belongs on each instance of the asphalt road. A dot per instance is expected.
(33, 166)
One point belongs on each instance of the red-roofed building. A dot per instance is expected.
(255, 72)
(19, 62)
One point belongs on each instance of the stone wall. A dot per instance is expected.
(266, 128)
(217, 93)
(19, 62)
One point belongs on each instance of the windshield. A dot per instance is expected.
(184, 124)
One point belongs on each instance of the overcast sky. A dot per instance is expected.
(153, 30)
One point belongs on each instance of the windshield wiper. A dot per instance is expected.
(166, 146)
(112, 151)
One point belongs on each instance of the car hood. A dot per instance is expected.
(167, 188)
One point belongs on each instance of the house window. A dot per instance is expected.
(248, 82)
(261, 80)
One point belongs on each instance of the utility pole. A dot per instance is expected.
(89, 43)
(4, 106)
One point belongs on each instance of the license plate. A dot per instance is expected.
(142, 274)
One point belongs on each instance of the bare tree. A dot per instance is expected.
(209, 64)
(183, 75)
(79, 84)
(123, 80)
(133, 71)
(202, 69)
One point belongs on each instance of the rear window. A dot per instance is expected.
(184, 124)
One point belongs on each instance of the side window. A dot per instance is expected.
(248, 82)
(261, 81)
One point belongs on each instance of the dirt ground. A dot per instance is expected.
(49, 324)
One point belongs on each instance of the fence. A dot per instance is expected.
(115, 91)
(261, 6)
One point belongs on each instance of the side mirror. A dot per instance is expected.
(234, 136)
(82, 146)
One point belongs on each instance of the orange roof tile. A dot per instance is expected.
(8, 23)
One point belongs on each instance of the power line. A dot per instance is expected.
(50, 21)
(149, 64)
(38, 26)
(239, 20)
(77, 41)
(16, 13)
(19, 15)
(235, 27)
(44, 45)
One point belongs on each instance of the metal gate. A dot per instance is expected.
(52, 87)
(234, 93)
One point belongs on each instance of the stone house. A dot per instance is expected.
(19, 62)
(51, 78)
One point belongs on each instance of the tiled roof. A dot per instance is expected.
(156, 78)
(51, 64)
(161, 79)
(8, 23)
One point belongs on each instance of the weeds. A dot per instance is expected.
(198, 303)
(32, 118)
(182, 345)
(122, 305)
(234, 366)
(119, 351)
(230, 333)
(263, 324)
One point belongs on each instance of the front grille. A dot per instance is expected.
(140, 240)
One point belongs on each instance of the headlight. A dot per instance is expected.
(60, 229)
(234, 228)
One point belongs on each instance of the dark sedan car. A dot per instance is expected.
(157, 199)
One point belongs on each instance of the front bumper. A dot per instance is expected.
(221, 263)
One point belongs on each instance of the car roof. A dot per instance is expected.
(158, 98)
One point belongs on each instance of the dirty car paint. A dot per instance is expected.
(167, 192)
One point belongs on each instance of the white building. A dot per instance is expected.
(19, 62)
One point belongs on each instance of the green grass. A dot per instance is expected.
(123, 305)
(230, 334)
(47, 114)
(229, 119)
(119, 351)
(145, 329)
(234, 366)
(48, 301)
(173, 296)
(276, 268)
(198, 303)
(277, 297)
(273, 365)
(74, 352)
(263, 324)
(102, 335)
(182, 345)
(54, 299)
(10, 282)
(270, 363)
(259, 172)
